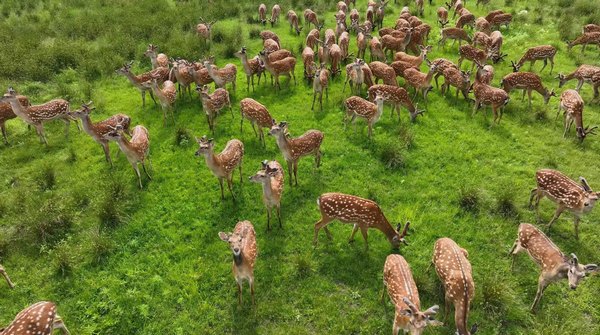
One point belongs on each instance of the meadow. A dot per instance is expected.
(119, 260)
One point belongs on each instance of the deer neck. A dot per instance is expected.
(153, 61)
(19, 110)
(133, 78)
(385, 227)
(212, 161)
(244, 59)
(125, 146)
(429, 76)
(284, 145)
(267, 189)
(88, 126)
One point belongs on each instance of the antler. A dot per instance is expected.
(585, 184)
(410, 305)
(432, 310)
(588, 131)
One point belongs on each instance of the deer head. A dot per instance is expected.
(562, 79)
(280, 129)
(203, 91)
(235, 241)
(548, 95)
(515, 66)
(582, 133)
(419, 320)
(578, 271)
(115, 132)
(205, 145)
(399, 238)
(264, 174)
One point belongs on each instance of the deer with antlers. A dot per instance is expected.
(252, 67)
(99, 130)
(541, 52)
(362, 213)
(403, 292)
(6, 113)
(528, 82)
(466, 19)
(222, 165)
(420, 81)
(320, 84)
(227, 74)
(166, 95)
(583, 74)
(555, 265)
(40, 318)
(257, 114)
(213, 103)
(157, 59)
(454, 270)
(572, 105)
(359, 107)
(397, 96)
(36, 115)
(585, 39)
(271, 177)
(262, 14)
(136, 150)
(380, 13)
(488, 95)
(295, 148)
(242, 243)
(204, 30)
(310, 17)
(284, 67)
(292, 18)
(566, 193)
(455, 34)
(6, 277)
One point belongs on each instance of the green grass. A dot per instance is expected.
(118, 260)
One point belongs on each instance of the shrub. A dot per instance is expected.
(303, 267)
(63, 258)
(183, 137)
(53, 221)
(46, 179)
(110, 214)
(102, 247)
(392, 156)
(469, 199)
(254, 33)
(505, 206)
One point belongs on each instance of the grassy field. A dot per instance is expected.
(118, 260)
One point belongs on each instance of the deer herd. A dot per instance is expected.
(322, 57)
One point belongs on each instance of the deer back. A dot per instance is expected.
(361, 107)
(541, 249)
(232, 155)
(352, 209)
(253, 110)
(38, 318)
(306, 143)
(50, 110)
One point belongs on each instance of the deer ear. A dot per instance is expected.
(474, 329)
(435, 323)
(406, 312)
(265, 164)
(399, 226)
(574, 260)
(590, 268)
(224, 236)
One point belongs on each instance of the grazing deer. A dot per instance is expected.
(385, 72)
(584, 40)
(271, 178)
(420, 36)
(542, 52)
(158, 60)
(320, 84)
(295, 148)
(222, 165)
(528, 82)
(420, 81)
(6, 113)
(213, 103)
(284, 67)
(499, 20)
(292, 18)
(488, 95)
(6, 277)
(242, 243)
(166, 95)
(136, 150)
(454, 270)
(572, 105)
(262, 14)
(473, 54)
(490, 16)
(99, 130)
(252, 67)
(255, 113)
(270, 45)
(442, 14)
(312, 39)
(362, 213)
(415, 61)
(459, 79)
(204, 30)
(354, 19)
(308, 59)
(583, 73)
(340, 26)
(400, 66)
(494, 52)
(355, 76)
(482, 25)
(227, 74)
(335, 57)
(39, 318)
(466, 19)
(456, 6)
(275, 12)
(454, 34)
(554, 264)
(402, 290)
(397, 96)
(139, 80)
(482, 39)
(359, 107)
(590, 28)
(36, 115)
(267, 34)
(566, 193)
(311, 17)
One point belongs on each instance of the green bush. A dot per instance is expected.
(469, 199)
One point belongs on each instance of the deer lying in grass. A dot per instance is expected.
(293, 149)
(583, 74)
(554, 264)
(39, 318)
(36, 115)
(99, 130)
(362, 213)
(454, 270)
(242, 243)
(403, 292)
(222, 165)
(541, 52)
(257, 113)
(6, 113)
(584, 40)
(397, 96)
(252, 67)
(528, 82)
(271, 178)
(136, 150)
(359, 107)
(566, 193)
(6, 277)
(572, 105)
(213, 103)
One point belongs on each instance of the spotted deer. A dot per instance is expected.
(415, 61)
(213, 103)
(293, 149)
(37, 115)
(376, 50)
(400, 66)
(312, 39)
(370, 13)
(555, 265)
(572, 105)
(442, 14)
(419, 4)
(499, 20)
(310, 17)
(589, 28)
(354, 19)
(495, 46)
(6, 277)
(182, 72)
(454, 270)
(257, 114)
(355, 76)
(267, 34)
(528, 82)
(199, 74)
(566, 193)
(383, 71)
(455, 34)
(488, 95)
(136, 150)
(270, 45)
(583, 74)
(396, 43)
(157, 59)
(403, 292)
(361, 43)
(166, 95)
(541, 52)
(271, 177)
(284, 67)
(222, 165)
(585, 39)
(242, 243)
(456, 6)
(465, 19)
(6, 113)
(359, 107)
(459, 79)
(227, 74)
(490, 16)
(335, 57)
(252, 67)
(442, 65)
(420, 81)
(342, 6)
(482, 25)
(362, 213)
(308, 59)
(262, 14)
(99, 130)
(473, 54)
(344, 43)
(40, 318)
(380, 13)
(204, 29)
(320, 84)
(397, 96)
(139, 80)
(292, 18)
(275, 12)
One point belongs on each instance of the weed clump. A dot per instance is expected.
(303, 267)
(111, 213)
(392, 156)
(505, 205)
(183, 137)
(469, 199)
(102, 247)
(46, 180)
(63, 258)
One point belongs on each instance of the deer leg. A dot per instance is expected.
(152, 96)
(251, 283)
(241, 179)
(529, 96)
(559, 211)
(278, 209)
(221, 184)
(364, 230)
(239, 285)
(532, 194)
(545, 63)
(296, 171)
(145, 171)
(40, 130)
(230, 186)
(583, 48)
(540, 291)
(59, 324)
(137, 172)
(143, 98)
(268, 218)
(314, 98)
(252, 123)
(576, 224)
(106, 153)
(3, 127)
(531, 64)
(523, 97)
(446, 308)
(321, 224)
(579, 84)
(354, 230)
(551, 64)
(516, 248)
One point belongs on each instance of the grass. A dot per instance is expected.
(119, 260)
